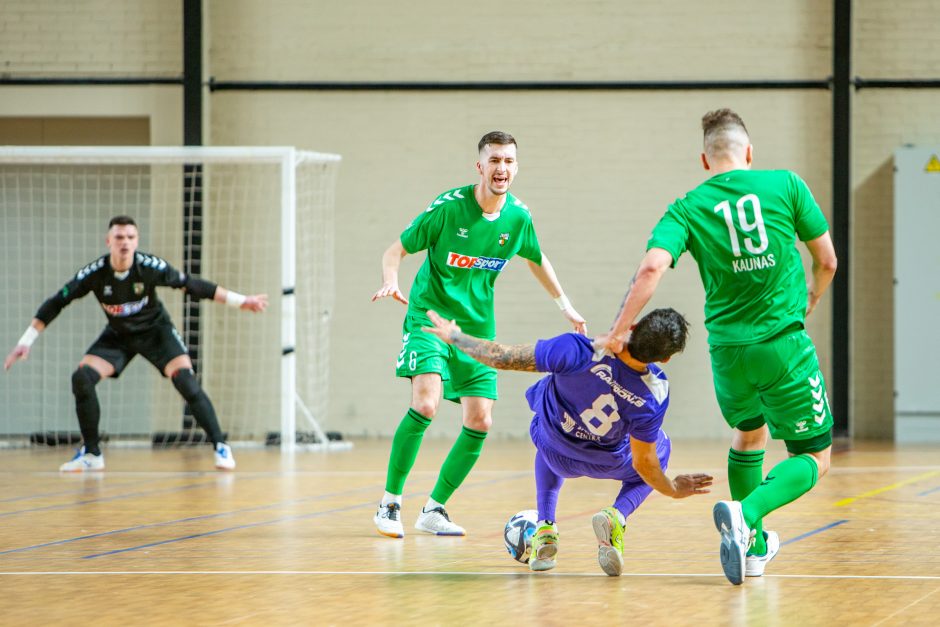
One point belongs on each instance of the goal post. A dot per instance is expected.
(264, 224)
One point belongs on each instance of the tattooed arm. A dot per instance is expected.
(493, 354)
(641, 289)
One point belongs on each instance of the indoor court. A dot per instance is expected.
(291, 542)
(244, 193)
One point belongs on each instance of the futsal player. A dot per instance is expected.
(124, 281)
(597, 415)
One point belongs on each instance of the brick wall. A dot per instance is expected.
(91, 38)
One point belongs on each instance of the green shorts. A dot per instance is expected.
(422, 353)
(776, 382)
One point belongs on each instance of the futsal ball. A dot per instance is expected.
(518, 534)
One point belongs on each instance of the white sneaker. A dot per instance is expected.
(438, 522)
(735, 539)
(83, 462)
(224, 460)
(388, 520)
(754, 564)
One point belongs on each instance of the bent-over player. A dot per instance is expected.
(597, 415)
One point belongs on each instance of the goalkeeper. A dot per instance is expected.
(124, 282)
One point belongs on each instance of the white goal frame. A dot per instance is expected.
(288, 158)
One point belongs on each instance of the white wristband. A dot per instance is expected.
(563, 302)
(234, 299)
(29, 336)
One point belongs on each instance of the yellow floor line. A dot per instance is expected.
(893, 486)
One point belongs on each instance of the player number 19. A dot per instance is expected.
(758, 224)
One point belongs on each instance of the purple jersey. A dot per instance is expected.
(592, 402)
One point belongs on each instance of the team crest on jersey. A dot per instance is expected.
(107, 290)
(503, 238)
(138, 289)
(462, 232)
(493, 264)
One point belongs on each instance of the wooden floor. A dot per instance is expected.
(161, 538)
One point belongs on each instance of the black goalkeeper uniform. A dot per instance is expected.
(138, 323)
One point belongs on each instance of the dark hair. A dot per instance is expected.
(718, 128)
(496, 137)
(658, 335)
(121, 221)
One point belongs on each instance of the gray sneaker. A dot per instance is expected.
(735, 539)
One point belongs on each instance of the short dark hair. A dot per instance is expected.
(718, 127)
(496, 137)
(121, 221)
(658, 335)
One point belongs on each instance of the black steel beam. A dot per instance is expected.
(222, 85)
(841, 208)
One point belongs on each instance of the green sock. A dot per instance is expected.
(463, 455)
(405, 447)
(745, 472)
(786, 482)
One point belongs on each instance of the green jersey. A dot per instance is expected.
(466, 254)
(741, 229)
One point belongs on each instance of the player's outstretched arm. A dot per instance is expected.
(391, 261)
(21, 350)
(545, 273)
(646, 463)
(641, 289)
(493, 354)
(256, 302)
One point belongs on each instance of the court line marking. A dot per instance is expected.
(814, 532)
(106, 499)
(906, 607)
(930, 491)
(887, 488)
(186, 520)
(291, 518)
(79, 487)
(425, 573)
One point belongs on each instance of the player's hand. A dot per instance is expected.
(687, 485)
(811, 301)
(576, 319)
(256, 303)
(610, 342)
(390, 289)
(19, 352)
(443, 329)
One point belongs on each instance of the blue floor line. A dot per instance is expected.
(79, 490)
(182, 520)
(107, 499)
(930, 491)
(814, 532)
(291, 518)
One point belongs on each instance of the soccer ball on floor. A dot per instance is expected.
(518, 534)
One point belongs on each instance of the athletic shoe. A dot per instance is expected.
(735, 539)
(754, 564)
(388, 520)
(608, 527)
(83, 462)
(438, 522)
(544, 547)
(223, 457)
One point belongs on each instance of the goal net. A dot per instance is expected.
(255, 220)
